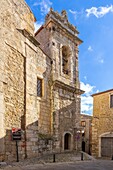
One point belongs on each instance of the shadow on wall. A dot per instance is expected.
(31, 144)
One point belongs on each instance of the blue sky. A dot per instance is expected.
(94, 21)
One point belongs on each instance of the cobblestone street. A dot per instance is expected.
(63, 161)
(78, 165)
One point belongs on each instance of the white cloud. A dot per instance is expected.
(44, 5)
(85, 77)
(87, 88)
(37, 25)
(74, 13)
(86, 109)
(100, 58)
(100, 11)
(101, 61)
(36, 4)
(97, 91)
(90, 48)
(86, 104)
(86, 99)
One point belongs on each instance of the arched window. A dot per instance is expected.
(65, 59)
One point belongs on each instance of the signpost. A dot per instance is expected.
(16, 136)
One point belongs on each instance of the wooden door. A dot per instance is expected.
(106, 146)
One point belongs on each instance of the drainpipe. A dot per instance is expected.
(51, 87)
(25, 102)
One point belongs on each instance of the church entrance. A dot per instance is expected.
(67, 141)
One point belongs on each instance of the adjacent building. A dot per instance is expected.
(102, 124)
(39, 82)
(86, 123)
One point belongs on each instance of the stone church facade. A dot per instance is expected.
(39, 82)
(102, 124)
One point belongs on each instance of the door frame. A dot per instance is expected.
(71, 140)
(107, 134)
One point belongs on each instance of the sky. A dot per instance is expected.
(94, 21)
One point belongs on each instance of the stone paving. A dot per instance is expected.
(50, 158)
(63, 161)
(77, 165)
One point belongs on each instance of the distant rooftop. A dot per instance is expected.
(102, 92)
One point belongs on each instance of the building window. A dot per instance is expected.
(39, 87)
(111, 101)
(53, 28)
(83, 123)
(65, 59)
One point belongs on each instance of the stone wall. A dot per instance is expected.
(102, 119)
(22, 61)
(66, 118)
(18, 62)
(44, 108)
(13, 97)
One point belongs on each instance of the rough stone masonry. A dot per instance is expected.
(49, 122)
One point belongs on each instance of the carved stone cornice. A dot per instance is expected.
(29, 36)
(57, 16)
(62, 21)
(64, 86)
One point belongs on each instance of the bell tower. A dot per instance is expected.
(59, 40)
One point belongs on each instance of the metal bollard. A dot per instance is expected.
(82, 156)
(53, 157)
(17, 151)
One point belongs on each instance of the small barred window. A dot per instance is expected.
(39, 87)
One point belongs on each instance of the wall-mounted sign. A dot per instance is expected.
(16, 134)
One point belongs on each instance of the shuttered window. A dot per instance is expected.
(111, 101)
(39, 87)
